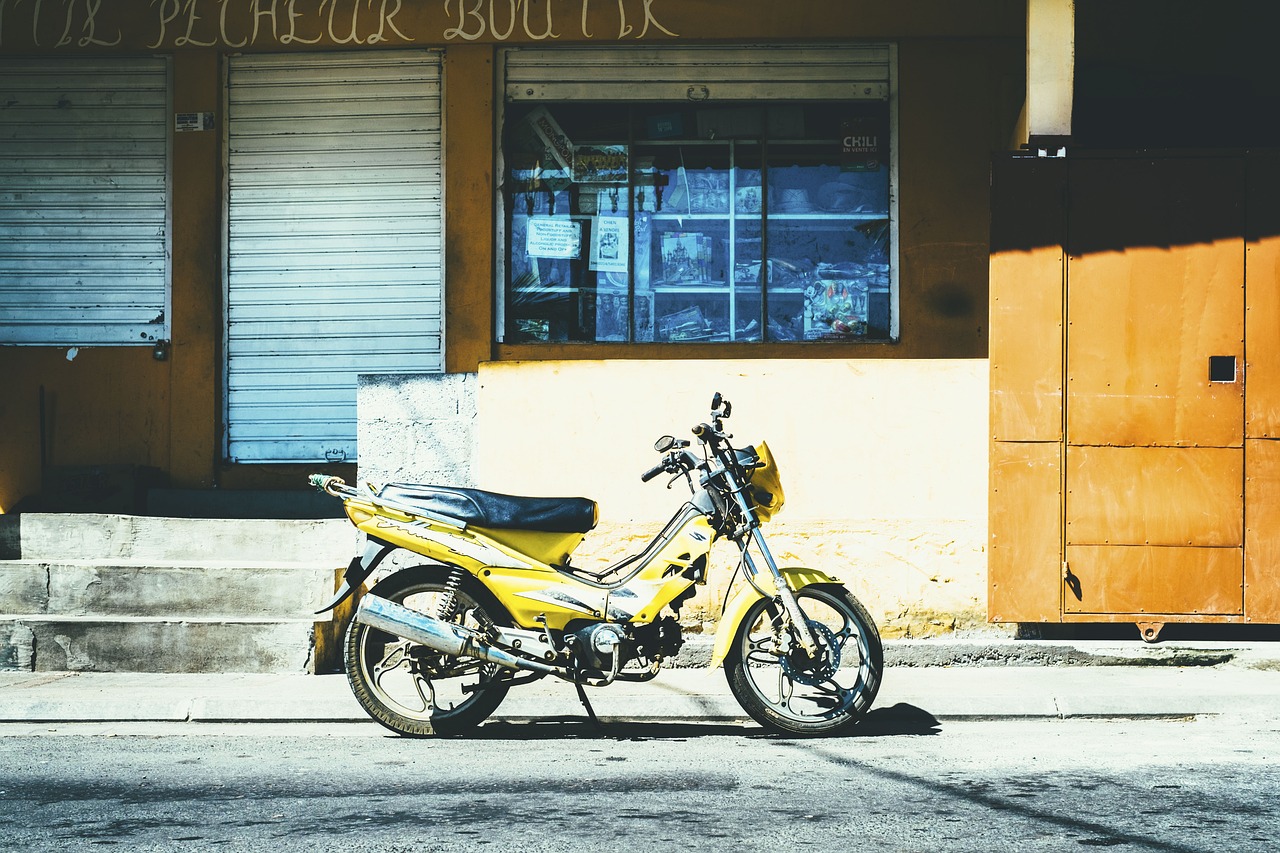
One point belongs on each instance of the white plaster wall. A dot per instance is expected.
(884, 463)
(854, 439)
(417, 428)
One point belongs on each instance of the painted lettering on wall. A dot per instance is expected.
(77, 22)
(204, 23)
(498, 19)
(237, 24)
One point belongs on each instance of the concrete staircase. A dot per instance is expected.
(121, 593)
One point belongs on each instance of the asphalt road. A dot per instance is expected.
(1205, 784)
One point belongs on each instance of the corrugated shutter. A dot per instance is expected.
(334, 242)
(84, 164)
(703, 73)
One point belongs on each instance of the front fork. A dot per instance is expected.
(799, 624)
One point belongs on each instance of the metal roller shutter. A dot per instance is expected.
(705, 73)
(334, 232)
(84, 166)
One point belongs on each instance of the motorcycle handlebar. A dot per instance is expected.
(651, 473)
(327, 484)
(709, 435)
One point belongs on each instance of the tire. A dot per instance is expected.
(792, 694)
(391, 676)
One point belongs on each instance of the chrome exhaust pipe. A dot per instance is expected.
(385, 615)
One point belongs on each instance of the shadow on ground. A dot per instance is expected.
(894, 721)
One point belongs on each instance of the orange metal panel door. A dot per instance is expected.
(1262, 289)
(1025, 557)
(1027, 272)
(1155, 391)
(1262, 399)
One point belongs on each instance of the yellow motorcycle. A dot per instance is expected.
(434, 649)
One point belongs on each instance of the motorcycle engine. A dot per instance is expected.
(599, 643)
(660, 639)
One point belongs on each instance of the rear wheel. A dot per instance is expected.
(788, 691)
(412, 689)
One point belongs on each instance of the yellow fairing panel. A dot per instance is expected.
(553, 549)
(736, 610)
(766, 484)
(530, 594)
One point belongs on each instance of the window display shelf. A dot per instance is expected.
(833, 217)
(713, 288)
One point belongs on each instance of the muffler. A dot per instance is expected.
(385, 615)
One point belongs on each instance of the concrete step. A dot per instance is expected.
(123, 593)
(173, 590)
(89, 536)
(145, 644)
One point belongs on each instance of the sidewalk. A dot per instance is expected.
(1022, 680)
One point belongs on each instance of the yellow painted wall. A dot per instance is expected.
(102, 406)
(884, 463)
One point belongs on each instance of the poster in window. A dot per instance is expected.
(835, 305)
(609, 244)
(686, 256)
(862, 144)
(600, 164)
(549, 132)
(612, 317)
(553, 237)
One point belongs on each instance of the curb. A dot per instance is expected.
(926, 682)
(696, 653)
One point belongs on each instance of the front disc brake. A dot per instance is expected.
(802, 669)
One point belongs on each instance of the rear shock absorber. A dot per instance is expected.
(449, 598)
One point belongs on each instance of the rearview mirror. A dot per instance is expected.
(667, 442)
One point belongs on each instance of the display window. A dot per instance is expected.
(654, 223)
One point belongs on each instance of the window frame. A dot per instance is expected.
(505, 350)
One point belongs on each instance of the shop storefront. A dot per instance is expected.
(245, 241)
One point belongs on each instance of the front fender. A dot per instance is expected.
(735, 611)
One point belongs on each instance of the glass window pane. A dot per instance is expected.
(748, 207)
(661, 223)
(568, 251)
(682, 239)
(828, 243)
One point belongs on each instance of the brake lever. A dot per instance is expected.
(683, 472)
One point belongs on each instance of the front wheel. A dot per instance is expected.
(414, 690)
(786, 690)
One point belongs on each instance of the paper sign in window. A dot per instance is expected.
(553, 237)
(609, 244)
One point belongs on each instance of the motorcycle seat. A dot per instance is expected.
(495, 510)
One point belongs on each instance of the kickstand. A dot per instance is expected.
(582, 693)
(591, 714)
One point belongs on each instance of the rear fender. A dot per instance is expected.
(736, 610)
(361, 566)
